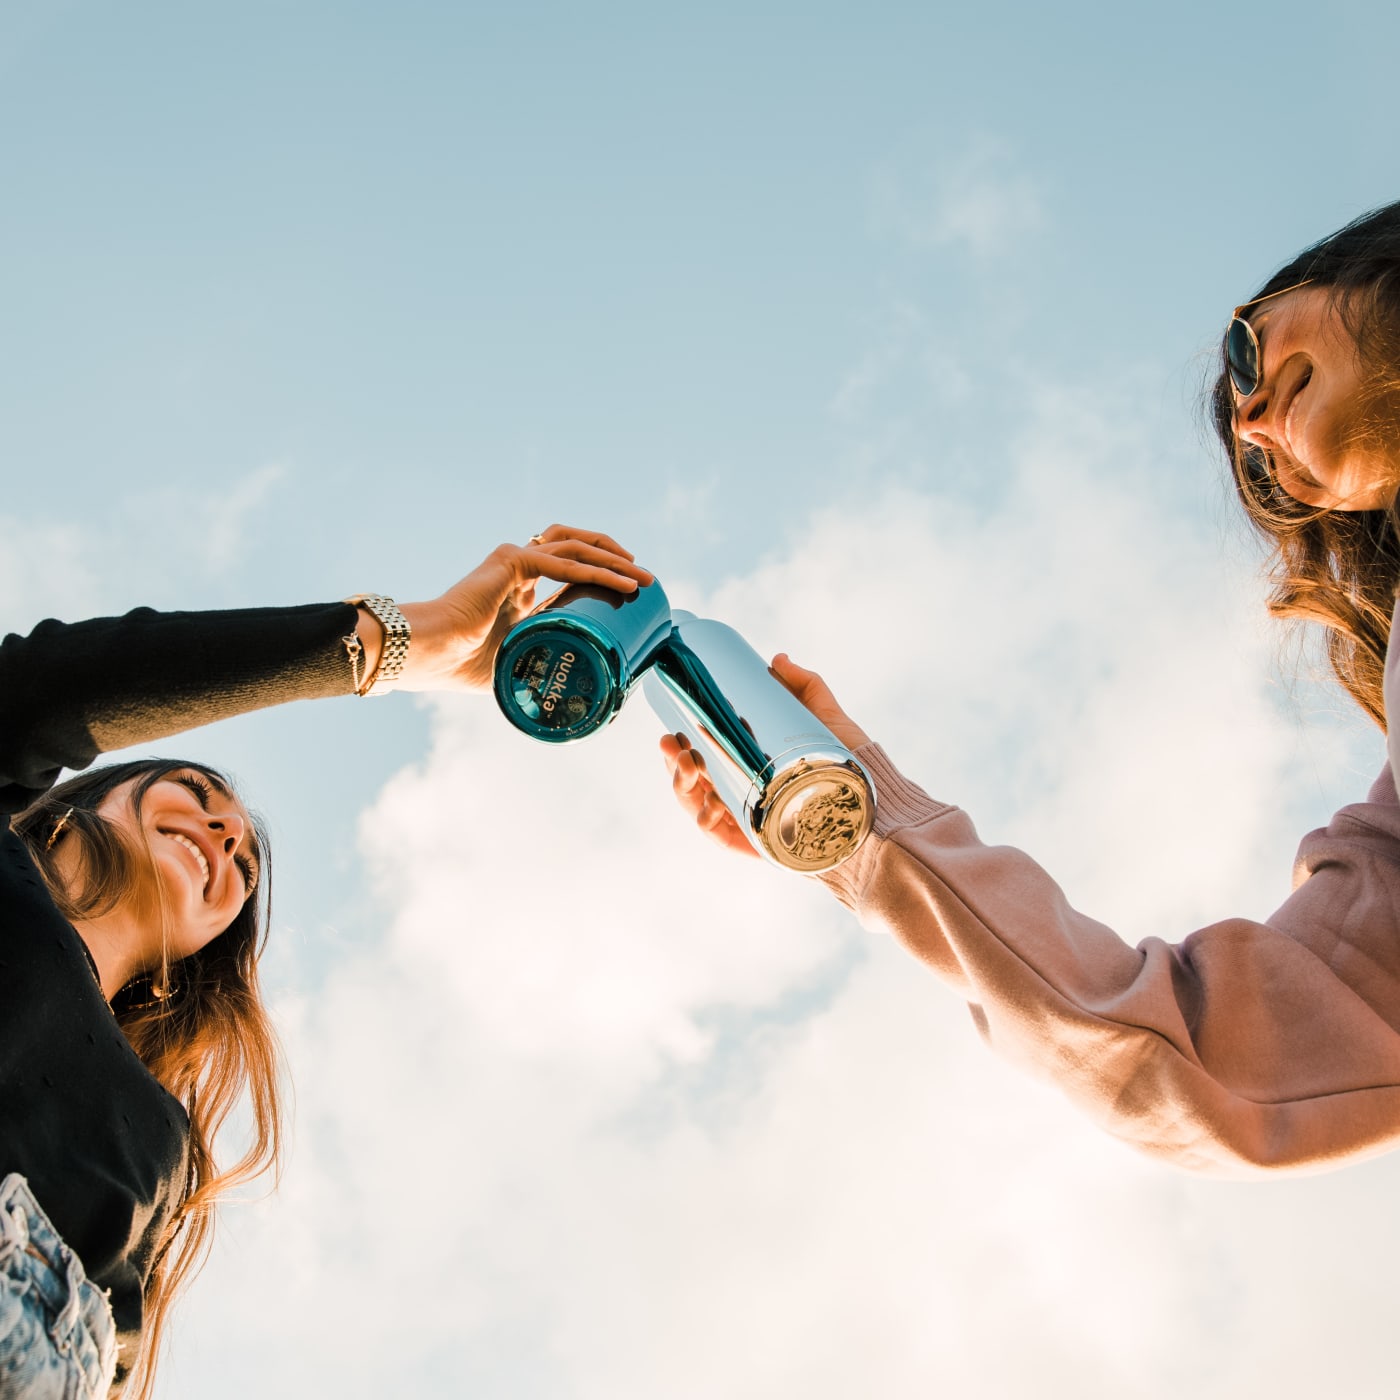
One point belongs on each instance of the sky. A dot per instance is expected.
(877, 332)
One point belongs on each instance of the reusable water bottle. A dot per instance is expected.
(797, 792)
(564, 672)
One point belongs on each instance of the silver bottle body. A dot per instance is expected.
(797, 792)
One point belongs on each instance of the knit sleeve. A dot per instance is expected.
(69, 692)
(1246, 1047)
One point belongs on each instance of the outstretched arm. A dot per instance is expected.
(1247, 1047)
(69, 692)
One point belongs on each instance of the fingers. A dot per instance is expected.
(698, 798)
(555, 533)
(816, 695)
(570, 559)
(672, 746)
(806, 685)
(689, 780)
(584, 552)
(589, 546)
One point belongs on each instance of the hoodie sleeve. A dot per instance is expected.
(1246, 1047)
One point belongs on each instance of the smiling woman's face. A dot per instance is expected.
(203, 851)
(1310, 411)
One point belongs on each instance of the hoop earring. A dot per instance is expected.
(143, 993)
(57, 829)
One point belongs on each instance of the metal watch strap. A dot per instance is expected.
(397, 635)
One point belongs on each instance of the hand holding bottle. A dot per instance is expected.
(691, 784)
(455, 636)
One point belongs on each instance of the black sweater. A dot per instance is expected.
(102, 1144)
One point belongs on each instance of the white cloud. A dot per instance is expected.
(977, 198)
(204, 520)
(610, 1114)
(227, 515)
(908, 374)
(44, 569)
(159, 543)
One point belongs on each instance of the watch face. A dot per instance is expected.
(556, 685)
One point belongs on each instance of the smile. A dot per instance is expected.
(1292, 404)
(194, 851)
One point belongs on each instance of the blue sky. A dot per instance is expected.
(877, 331)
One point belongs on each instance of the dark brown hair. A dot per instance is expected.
(1337, 568)
(199, 1025)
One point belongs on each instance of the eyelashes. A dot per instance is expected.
(203, 791)
(250, 874)
(197, 785)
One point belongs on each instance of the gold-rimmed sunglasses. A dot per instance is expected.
(1242, 356)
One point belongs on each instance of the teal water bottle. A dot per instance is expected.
(564, 672)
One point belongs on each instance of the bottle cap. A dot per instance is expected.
(557, 683)
(816, 815)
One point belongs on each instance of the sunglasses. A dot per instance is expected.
(1242, 356)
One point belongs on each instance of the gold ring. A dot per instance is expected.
(535, 539)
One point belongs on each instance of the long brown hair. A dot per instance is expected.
(199, 1025)
(1337, 568)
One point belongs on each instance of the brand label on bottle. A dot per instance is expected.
(554, 691)
(555, 688)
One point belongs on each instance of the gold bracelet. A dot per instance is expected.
(397, 635)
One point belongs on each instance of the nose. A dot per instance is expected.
(1252, 414)
(228, 831)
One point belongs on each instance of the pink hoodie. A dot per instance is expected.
(1248, 1047)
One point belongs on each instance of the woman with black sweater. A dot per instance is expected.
(133, 905)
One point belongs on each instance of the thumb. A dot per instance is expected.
(808, 687)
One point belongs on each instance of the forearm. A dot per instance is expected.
(71, 692)
(1237, 1050)
(68, 693)
(433, 650)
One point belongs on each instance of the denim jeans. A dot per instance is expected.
(57, 1339)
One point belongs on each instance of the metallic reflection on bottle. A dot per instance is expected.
(797, 792)
(565, 671)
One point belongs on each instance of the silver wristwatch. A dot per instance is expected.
(397, 635)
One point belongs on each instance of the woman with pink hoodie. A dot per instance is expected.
(1249, 1046)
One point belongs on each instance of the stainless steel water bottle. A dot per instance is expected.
(564, 671)
(798, 793)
